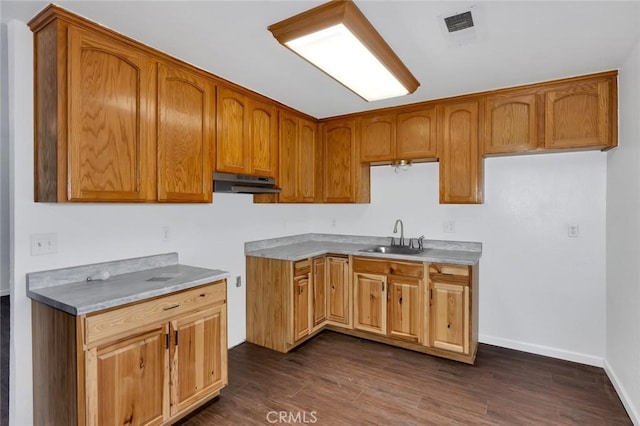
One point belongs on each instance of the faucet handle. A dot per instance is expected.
(421, 242)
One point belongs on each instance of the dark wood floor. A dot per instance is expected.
(341, 380)
(4, 360)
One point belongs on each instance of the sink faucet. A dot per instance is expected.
(395, 230)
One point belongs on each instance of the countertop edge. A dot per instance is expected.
(122, 301)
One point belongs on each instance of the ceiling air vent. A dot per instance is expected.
(459, 22)
(460, 27)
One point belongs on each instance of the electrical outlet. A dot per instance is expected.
(449, 226)
(333, 223)
(238, 281)
(166, 233)
(44, 244)
(574, 231)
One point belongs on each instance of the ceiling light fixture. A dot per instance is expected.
(338, 39)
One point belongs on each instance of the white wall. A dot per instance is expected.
(540, 291)
(203, 235)
(4, 167)
(623, 244)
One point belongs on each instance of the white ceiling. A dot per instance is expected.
(517, 43)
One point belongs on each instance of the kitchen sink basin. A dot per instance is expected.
(393, 250)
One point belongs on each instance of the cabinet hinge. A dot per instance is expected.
(166, 340)
(176, 338)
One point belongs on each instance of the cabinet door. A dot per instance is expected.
(288, 136)
(232, 150)
(460, 161)
(301, 293)
(263, 136)
(416, 135)
(111, 144)
(309, 162)
(340, 161)
(510, 124)
(577, 115)
(198, 356)
(319, 292)
(370, 302)
(378, 138)
(127, 383)
(186, 111)
(405, 309)
(449, 316)
(338, 289)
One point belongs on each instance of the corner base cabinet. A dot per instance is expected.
(145, 363)
(426, 307)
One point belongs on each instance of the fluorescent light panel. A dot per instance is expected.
(339, 40)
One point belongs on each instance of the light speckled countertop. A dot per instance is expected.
(298, 247)
(131, 280)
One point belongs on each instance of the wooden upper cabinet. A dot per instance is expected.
(581, 115)
(461, 180)
(186, 111)
(346, 180)
(510, 123)
(416, 136)
(247, 135)
(289, 158)
(111, 103)
(309, 162)
(299, 160)
(378, 138)
(263, 136)
(410, 135)
(232, 148)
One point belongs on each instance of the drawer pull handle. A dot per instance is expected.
(166, 308)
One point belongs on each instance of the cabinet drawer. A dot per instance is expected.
(302, 267)
(447, 269)
(123, 320)
(387, 267)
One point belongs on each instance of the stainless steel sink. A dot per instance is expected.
(393, 250)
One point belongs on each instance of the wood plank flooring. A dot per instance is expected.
(341, 380)
(4, 360)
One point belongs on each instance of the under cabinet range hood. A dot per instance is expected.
(244, 184)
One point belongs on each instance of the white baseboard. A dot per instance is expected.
(632, 411)
(542, 350)
(4, 292)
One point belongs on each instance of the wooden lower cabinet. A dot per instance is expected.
(370, 302)
(301, 307)
(198, 359)
(426, 307)
(405, 308)
(127, 381)
(319, 292)
(169, 359)
(339, 291)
